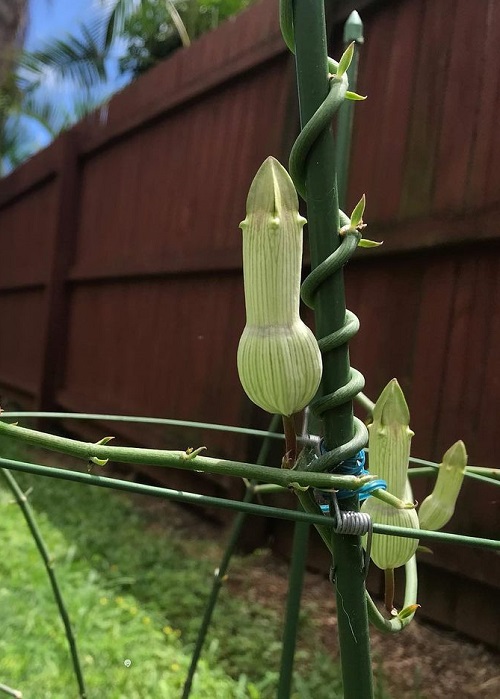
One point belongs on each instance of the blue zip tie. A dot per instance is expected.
(355, 466)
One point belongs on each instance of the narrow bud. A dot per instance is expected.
(390, 439)
(437, 509)
(389, 453)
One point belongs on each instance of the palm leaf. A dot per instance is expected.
(116, 20)
(80, 57)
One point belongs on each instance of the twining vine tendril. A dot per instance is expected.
(320, 121)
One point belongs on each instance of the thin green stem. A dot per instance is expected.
(290, 630)
(389, 590)
(250, 508)
(476, 473)
(142, 420)
(49, 567)
(397, 624)
(220, 572)
(11, 692)
(365, 402)
(290, 441)
(218, 580)
(312, 66)
(179, 459)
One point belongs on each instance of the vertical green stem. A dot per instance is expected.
(323, 218)
(296, 579)
(353, 31)
(224, 565)
(290, 441)
(389, 589)
(214, 594)
(49, 567)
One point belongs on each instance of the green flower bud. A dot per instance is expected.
(279, 362)
(437, 509)
(390, 439)
(391, 551)
(389, 450)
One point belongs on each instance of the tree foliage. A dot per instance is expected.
(151, 32)
(127, 40)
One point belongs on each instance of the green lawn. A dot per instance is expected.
(135, 595)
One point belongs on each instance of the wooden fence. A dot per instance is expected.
(120, 268)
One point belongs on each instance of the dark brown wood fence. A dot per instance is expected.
(120, 269)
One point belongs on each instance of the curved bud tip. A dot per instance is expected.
(456, 455)
(391, 407)
(272, 190)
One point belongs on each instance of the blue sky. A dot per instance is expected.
(51, 18)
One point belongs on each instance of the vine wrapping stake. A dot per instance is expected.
(312, 166)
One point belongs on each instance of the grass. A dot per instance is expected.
(133, 595)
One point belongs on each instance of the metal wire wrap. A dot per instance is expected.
(320, 121)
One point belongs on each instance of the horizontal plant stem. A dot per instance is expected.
(392, 500)
(250, 508)
(493, 473)
(486, 475)
(267, 488)
(180, 459)
(142, 420)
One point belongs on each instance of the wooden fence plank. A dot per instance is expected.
(428, 81)
(483, 180)
(461, 95)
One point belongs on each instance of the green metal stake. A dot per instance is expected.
(49, 567)
(353, 31)
(296, 579)
(323, 218)
(224, 564)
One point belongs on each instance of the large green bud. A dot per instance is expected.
(279, 362)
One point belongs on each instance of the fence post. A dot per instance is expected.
(54, 339)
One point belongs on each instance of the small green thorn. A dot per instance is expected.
(408, 611)
(98, 462)
(354, 96)
(345, 60)
(191, 453)
(358, 211)
(366, 243)
(105, 440)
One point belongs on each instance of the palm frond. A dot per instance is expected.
(116, 21)
(80, 57)
(51, 116)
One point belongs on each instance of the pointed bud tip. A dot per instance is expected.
(456, 454)
(391, 406)
(353, 28)
(272, 189)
